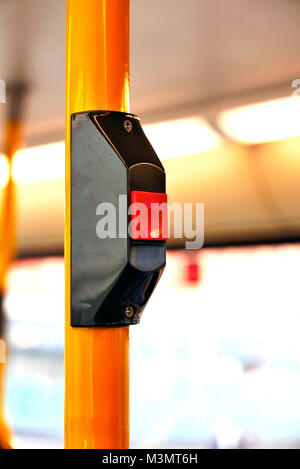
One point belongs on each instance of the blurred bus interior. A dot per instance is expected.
(215, 84)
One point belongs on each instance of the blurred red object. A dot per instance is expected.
(193, 272)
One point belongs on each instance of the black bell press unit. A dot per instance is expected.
(118, 248)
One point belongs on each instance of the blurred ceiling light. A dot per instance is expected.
(263, 122)
(180, 137)
(37, 164)
(4, 171)
(170, 139)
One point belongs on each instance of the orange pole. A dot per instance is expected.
(96, 359)
(7, 220)
(7, 251)
(12, 138)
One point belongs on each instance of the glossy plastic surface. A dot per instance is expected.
(105, 277)
(153, 224)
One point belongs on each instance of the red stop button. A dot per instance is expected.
(149, 216)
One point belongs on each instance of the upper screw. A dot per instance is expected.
(128, 126)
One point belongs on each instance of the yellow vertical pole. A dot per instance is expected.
(96, 359)
(8, 225)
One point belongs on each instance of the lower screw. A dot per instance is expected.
(129, 312)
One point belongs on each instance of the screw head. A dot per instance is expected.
(129, 312)
(128, 126)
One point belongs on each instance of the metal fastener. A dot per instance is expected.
(128, 126)
(129, 311)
